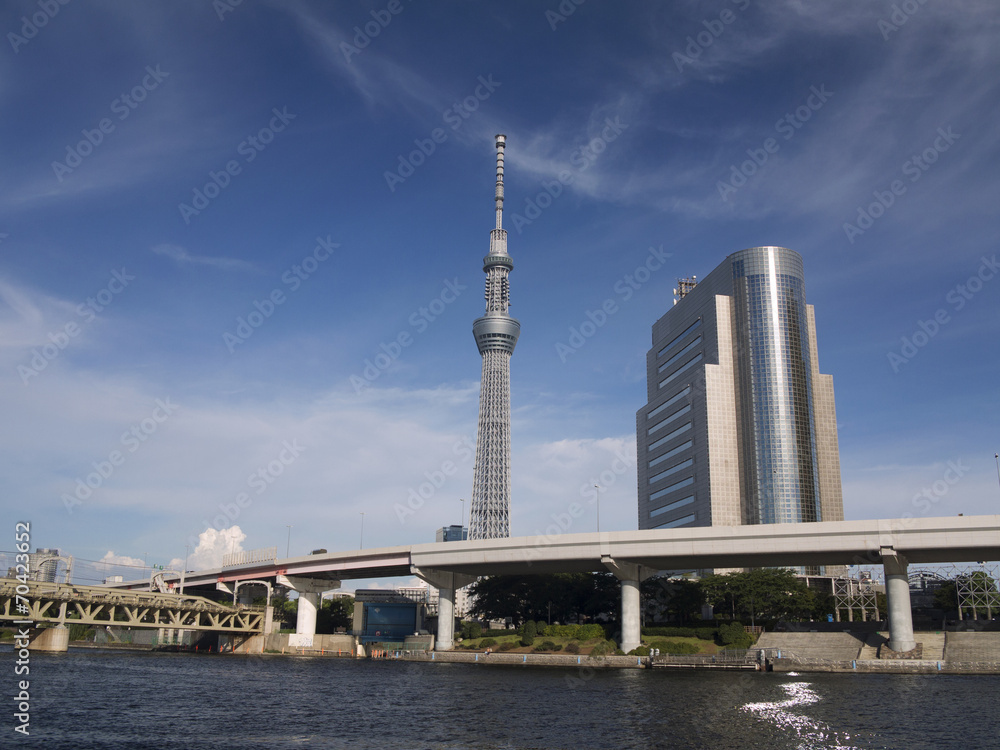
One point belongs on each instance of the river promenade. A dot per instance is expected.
(857, 652)
(939, 652)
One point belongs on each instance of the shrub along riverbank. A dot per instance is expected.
(595, 640)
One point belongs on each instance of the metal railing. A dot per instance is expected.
(250, 556)
(724, 656)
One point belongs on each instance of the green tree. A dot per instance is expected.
(500, 597)
(335, 613)
(78, 632)
(679, 598)
(946, 597)
(530, 632)
(760, 594)
(565, 597)
(597, 594)
(824, 604)
(733, 634)
(285, 610)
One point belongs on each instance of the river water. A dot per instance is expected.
(136, 700)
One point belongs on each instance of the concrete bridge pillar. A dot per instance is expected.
(49, 639)
(310, 590)
(631, 576)
(446, 583)
(897, 592)
(631, 619)
(446, 619)
(305, 624)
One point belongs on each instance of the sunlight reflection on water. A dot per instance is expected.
(811, 733)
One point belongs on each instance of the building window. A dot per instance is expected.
(670, 454)
(679, 354)
(669, 402)
(679, 413)
(672, 506)
(681, 369)
(667, 490)
(672, 470)
(682, 521)
(677, 338)
(667, 438)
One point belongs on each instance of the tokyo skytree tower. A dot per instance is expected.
(496, 335)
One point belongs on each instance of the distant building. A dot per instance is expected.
(453, 533)
(740, 425)
(382, 615)
(391, 614)
(43, 567)
(923, 589)
(429, 595)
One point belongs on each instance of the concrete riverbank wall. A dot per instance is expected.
(540, 660)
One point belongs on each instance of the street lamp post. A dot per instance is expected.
(996, 457)
(598, 488)
(362, 530)
(186, 548)
(288, 542)
(462, 501)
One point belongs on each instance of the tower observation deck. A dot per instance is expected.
(496, 336)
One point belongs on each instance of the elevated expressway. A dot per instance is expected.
(633, 556)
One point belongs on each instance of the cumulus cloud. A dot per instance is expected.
(213, 545)
(110, 558)
(108, 567)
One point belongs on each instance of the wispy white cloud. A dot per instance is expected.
(29, 317)
(857, 141)
(959, 485)
(21, 315)
(379, 80)
(560, 476)
(542, 150)
(182, 257)
(350, 453)
(754, 34)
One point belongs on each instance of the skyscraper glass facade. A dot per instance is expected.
(780, 473)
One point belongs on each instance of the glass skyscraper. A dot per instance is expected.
(740, 426)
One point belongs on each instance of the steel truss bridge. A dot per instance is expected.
(69, 604)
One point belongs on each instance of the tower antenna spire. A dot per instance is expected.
(501, 143)
(496, 335)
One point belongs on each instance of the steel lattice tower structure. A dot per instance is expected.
(496, 335)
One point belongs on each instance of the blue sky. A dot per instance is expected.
(324, 173)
